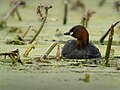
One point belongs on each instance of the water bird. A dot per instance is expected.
(80, 47)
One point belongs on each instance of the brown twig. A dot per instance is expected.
(58, 53)
(78, 4)
(14, 55)
(13, 2)
(15, 42)
(85, 19)
(39, 12)
(14, 9)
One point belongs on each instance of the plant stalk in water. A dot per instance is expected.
(31, 46)
(65, 12)
(14, 9)
(47, 52)
(44, 20)
(58, 53)
(107, 54)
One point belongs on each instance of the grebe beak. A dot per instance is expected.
(68, 33)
